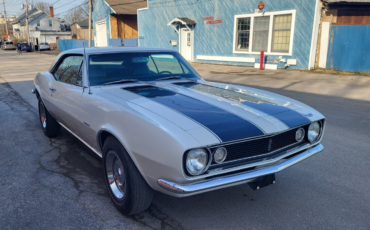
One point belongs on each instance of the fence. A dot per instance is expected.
(349, 48)
(130, 42)
(64, 45)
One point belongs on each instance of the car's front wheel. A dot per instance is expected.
(126, 187)
(49, 125)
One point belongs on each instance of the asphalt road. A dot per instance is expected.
(57, 183)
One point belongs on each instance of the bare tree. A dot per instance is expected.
(76, 15)
(43, 6)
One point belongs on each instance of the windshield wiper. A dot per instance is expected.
(168, 78)
(120, 81)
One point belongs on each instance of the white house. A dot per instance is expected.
(42, 27)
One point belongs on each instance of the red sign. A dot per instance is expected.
(214, 22)
(208, 18)
(6, 36)
(99, 16)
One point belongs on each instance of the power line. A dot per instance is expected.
(54, 2)
(72, 8)
(65, 4)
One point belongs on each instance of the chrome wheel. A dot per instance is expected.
(115, 174)
(42, 113)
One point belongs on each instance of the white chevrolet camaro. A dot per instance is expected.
(159, 126)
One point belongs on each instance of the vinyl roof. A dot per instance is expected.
(102, 50)
(126, 6)
(349, 1)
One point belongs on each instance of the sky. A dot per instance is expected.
(13, 7)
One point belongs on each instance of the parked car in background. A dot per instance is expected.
(159, 126)
(44, 46)
(25, 47)
(9, 46)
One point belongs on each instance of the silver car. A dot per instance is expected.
(8, 46)
(159, 126)
(44, 46)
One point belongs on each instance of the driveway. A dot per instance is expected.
(57, 183)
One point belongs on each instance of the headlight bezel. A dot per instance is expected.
(318, 137)
(214, 153)
(208, 163)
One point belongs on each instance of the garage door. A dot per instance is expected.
(101, 34)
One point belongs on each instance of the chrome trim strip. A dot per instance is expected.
(260, 163)
(92, 149)
(268, 153)
(227, 181)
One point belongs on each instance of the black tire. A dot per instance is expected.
(137, 195)
(49, 125)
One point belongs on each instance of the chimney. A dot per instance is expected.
(51, 11)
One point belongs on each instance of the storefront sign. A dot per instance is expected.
(214, 22)
(210, 18)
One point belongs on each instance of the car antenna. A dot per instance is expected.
(85, 61)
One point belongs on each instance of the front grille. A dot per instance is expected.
(261, 147)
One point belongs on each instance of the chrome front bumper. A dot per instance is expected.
(231, 180)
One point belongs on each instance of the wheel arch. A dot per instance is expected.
(103, 134)
(37, 94)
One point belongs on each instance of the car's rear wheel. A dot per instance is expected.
(126, 187)
(49, 125)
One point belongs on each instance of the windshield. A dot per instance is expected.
(43, 43)
(9, 43)
(143, 66)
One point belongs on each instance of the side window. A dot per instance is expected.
(68, 70)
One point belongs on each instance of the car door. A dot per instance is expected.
(66, 91)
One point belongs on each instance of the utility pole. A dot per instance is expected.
(6, 23)
(90, 13)
(27, 28)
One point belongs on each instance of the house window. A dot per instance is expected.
(281, 33)
(271, 32)
(38, 22)
(244, 25)
(50, 23)
(260, 33)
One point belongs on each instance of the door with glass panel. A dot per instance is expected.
(186, 44)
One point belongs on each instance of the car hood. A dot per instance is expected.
(229, 112)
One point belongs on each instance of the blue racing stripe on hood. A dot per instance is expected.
(288, 116)
(225, 125)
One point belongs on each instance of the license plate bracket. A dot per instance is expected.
(263, 182)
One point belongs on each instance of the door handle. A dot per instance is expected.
(53, 89)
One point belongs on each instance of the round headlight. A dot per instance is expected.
(313, 131)
(220, 155)
(196, 161)
(299, 135)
